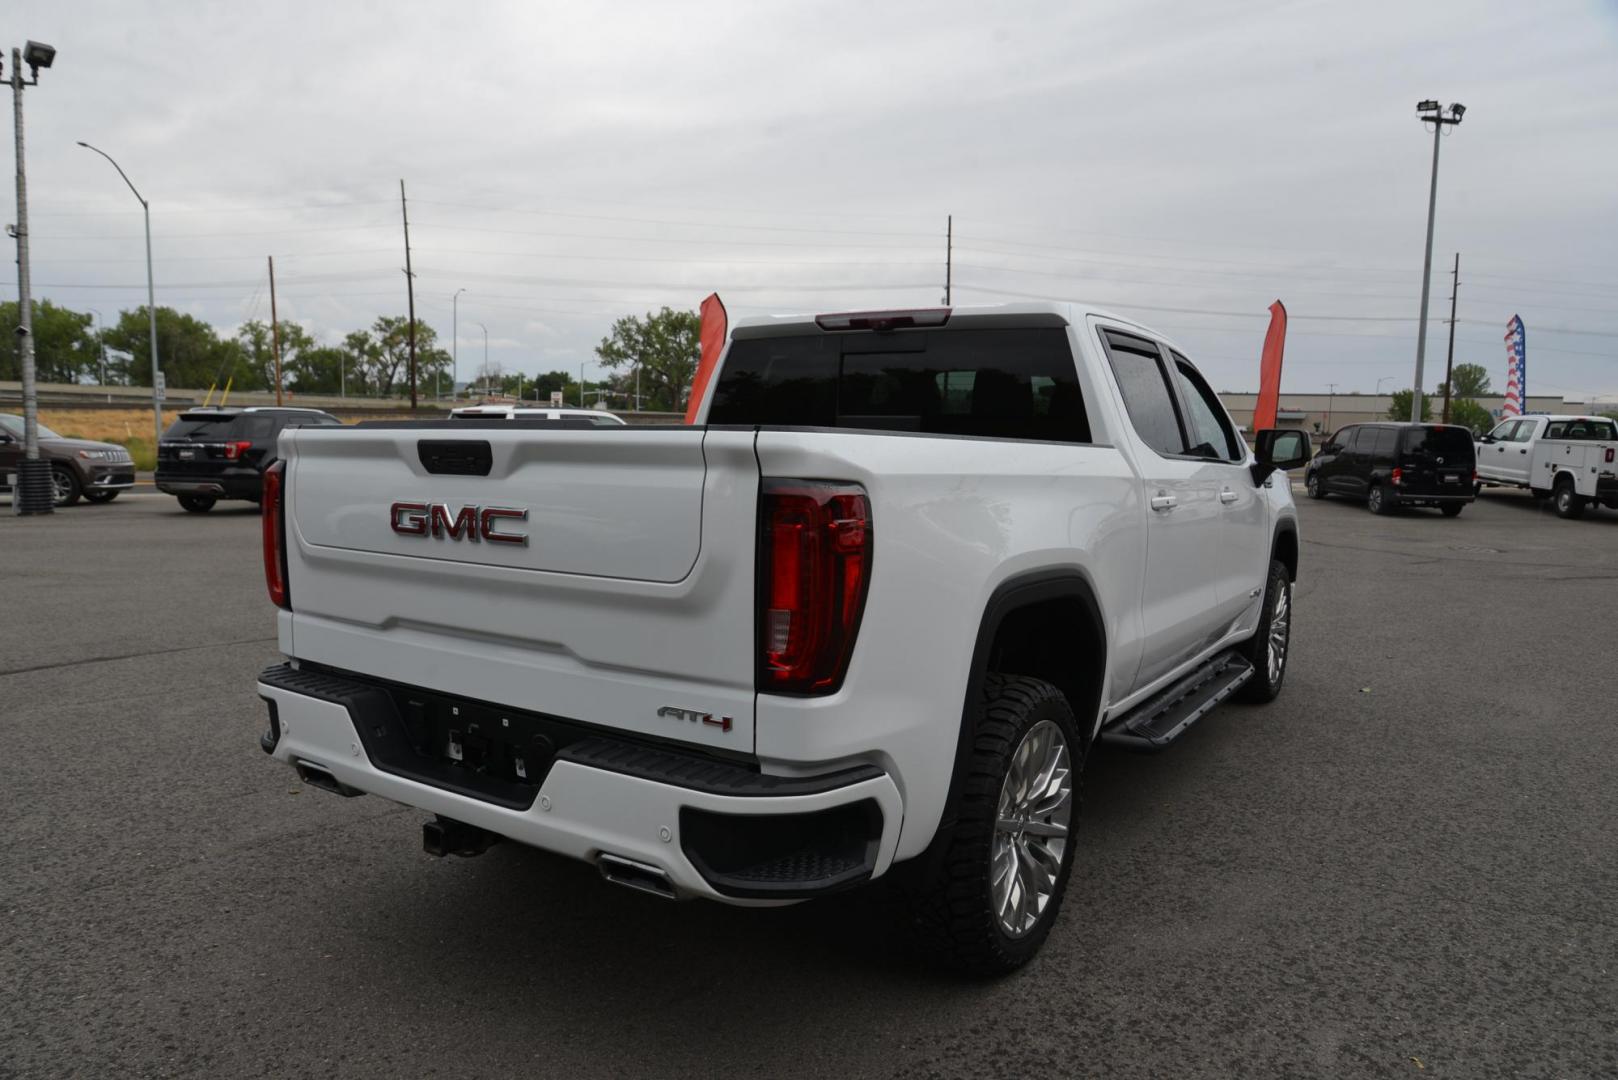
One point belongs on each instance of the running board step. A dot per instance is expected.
(1166, 716)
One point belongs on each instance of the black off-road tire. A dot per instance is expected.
(952, 916)
(1262, 688)
(1540, 494)
(101, 496)
(197, 504)
(65, 486)
(1452, 509)
(1568, 502)
(1312, 488)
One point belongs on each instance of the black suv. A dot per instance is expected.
(1394, 465)
(212, 454)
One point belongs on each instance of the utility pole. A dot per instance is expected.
(1431, 113)
(581, 386)
(1331, 399)
(275, 332)
(32, 492)
(410, 286)
(1449, 362)
(949, 256)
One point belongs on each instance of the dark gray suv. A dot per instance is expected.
(96, 471)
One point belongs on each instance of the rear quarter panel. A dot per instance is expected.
(953, 519)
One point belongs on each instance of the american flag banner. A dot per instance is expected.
(1516, 367)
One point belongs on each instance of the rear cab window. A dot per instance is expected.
(1010, 382)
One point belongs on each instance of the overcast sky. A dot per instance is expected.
(1184, 164)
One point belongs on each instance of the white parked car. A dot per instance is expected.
(572, 417)
(867, 617)
(1565, 458)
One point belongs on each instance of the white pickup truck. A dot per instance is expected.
(1565, 458)
(869, 614)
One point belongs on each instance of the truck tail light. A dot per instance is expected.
(234, 450)
(275, 535)
(814, 569)
(1398, 476)
(1609, 455)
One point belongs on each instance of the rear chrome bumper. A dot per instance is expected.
(691, 818)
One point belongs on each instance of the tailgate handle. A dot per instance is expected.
(455, 457)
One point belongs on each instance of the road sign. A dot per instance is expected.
(160, 390)
(556, 398)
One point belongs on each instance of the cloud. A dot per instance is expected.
(568, 164)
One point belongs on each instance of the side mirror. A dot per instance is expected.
(1486, 438)
(1279, 449)
(5, 437)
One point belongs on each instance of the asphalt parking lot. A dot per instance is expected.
(1407, 866)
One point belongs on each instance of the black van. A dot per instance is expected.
(1394, 465)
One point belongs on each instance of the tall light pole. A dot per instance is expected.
(455, 341)
(101, 346)
(1432, 113)
(151, 299)
(33, 492)
(1330, 400)
(485, 330)
(1378, 391)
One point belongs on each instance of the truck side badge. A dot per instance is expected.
(696, 716)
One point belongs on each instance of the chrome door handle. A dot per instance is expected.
(1164, 502)
(1227, 496)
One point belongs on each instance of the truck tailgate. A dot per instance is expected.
(628, 602)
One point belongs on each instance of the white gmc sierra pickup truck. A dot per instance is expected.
(865, 618)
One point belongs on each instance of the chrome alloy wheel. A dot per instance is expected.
(1280, 628)
(61, 486)
(1031, 828)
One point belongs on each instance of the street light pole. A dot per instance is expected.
(1331, 399)
(151, 299)
(32, 493)
(455, 343)
(485, 330)
(1430, 112)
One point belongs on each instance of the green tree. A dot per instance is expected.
(1469, 414)
(189, 351)
(318, 369)
(1467, 381)
(664, 346)
(256, 370)
(1399, 406)
(65, 349)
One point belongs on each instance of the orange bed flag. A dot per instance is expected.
(1269, 370)
(712, 336)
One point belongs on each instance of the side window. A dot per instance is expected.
(1555, 431)
(1505, 432)
(260, 428)
(1340, 441)
(1387, 445)
(1211, 433)
(1138, 367)
(1524, 431)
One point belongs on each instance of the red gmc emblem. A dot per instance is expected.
(468, 523)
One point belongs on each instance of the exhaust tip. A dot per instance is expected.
(636, 875)
(318, 776)
(446, 836)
